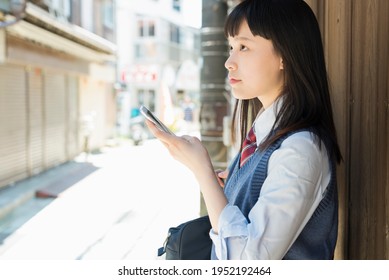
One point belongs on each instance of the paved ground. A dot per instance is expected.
(115, 205)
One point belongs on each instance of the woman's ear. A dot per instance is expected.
(281, 64)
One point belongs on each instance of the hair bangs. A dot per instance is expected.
(233, 22)
(258, 15)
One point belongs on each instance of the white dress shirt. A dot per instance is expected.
(298, 174)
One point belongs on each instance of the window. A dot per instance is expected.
(108, 14)
(146, 28)
(141, 97)
(151, 29)
(174, 34)
(147, 98)
(152, 100)
(139, 51)
(177, 5)
(141, 32)
(145, 50)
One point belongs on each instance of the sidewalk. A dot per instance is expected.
(117, 205)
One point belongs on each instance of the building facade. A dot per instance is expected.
(57, 70)
(158, 57)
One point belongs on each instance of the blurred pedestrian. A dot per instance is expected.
(188, 110)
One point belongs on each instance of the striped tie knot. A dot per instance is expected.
(249, 147)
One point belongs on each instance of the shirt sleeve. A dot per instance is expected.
(298, 173)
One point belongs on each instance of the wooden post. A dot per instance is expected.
(214, 51)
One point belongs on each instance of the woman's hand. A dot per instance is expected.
(190, 152)
(221, 176)
(186, 149)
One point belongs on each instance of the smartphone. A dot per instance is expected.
(151, 117)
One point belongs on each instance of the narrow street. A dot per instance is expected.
(122, 210)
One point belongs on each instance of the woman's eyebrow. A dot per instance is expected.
(242, 38)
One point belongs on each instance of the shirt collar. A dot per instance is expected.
(265, 120)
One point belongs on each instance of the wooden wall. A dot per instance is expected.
(356, 40)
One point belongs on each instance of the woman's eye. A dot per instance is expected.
(241, 48)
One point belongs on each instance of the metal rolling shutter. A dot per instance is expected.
(13, 124)
(73, 118)
(35, 121)
(54, 119)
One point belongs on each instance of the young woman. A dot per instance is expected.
(279, 200)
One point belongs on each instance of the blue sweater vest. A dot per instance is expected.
(318, 238)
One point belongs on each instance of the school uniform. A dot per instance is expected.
(282, 203)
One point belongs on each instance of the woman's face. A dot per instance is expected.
(255, 69)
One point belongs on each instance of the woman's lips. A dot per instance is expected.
(233, 81)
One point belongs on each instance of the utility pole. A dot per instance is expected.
(213, 94)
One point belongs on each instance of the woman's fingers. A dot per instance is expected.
(161, 135)
(152, 127)
(186, 149)
(221, 175)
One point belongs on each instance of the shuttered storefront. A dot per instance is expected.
(35, 121)
(13, 128)
(92, 105)
(39, 113)
(41, 62)
(54, 92)
(72, 134)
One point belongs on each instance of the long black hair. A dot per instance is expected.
(293, 29)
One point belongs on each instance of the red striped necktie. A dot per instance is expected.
(249, 147)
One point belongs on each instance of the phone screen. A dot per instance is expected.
(151, 117)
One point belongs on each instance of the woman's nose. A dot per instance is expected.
(230, 65)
